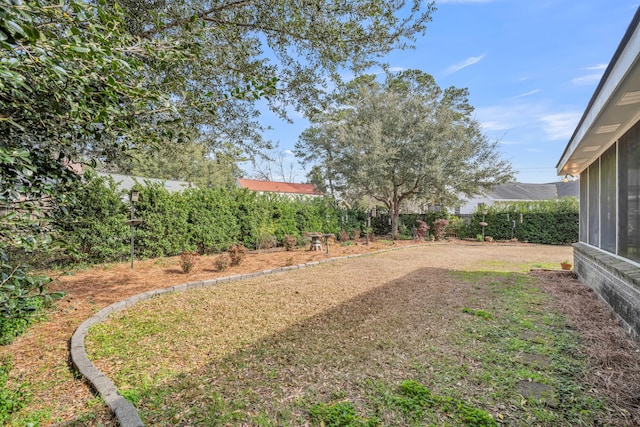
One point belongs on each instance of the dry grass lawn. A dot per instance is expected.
(270, 348)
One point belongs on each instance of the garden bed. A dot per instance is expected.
(351, 306)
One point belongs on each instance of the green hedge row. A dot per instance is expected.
(203, 220)
(209, 220)
(553, 222)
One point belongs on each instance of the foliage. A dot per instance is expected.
(237, 253)
(76, 84)
(553, 222)
(25, 228)
(93, 221)
(415, 397)
(456, 224)
(21, 297)
(301, 47)
(222, 261)
(12, 399)
(400, 140)
(201, 220)
(290, 242)
(341, 414)
(212, 224)
(188, 260)
(203, 167)
(422, 229)
(439, 227)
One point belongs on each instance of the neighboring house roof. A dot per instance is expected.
(518, 191)
(522, 191)
(278, 187)
(126, 182)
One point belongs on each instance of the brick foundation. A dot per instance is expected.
(615, 280)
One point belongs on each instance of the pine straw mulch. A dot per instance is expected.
(40, 357)
(614, 358)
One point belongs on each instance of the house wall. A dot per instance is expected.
(607, 258)
(615, 280)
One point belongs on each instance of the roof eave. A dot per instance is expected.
(605, 120)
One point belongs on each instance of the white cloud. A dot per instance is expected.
(288, 152)
(560, 125)
(591, 78)
(464, 64)
(532, 92)
(532, 116)
(507, 116)
(587, 80)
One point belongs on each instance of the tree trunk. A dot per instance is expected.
(395, 216)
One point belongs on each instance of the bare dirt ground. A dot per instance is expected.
(40, 357)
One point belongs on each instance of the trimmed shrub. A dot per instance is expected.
(222, 262)
(439, 226)
(553, 222)
(188, 260)
(237, 253)
(290, 242)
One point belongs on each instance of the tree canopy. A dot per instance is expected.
(402, 139)
(298, 48)
(102, 80)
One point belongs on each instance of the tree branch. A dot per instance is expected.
(202, 15)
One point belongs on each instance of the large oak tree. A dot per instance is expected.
(104, 80)
(403, 139)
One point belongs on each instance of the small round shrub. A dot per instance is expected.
(237, 253)
(188, 260)
(290, 242)
(222, 261)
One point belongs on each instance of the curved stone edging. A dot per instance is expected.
(125, 412)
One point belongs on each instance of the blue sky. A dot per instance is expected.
(531, 67)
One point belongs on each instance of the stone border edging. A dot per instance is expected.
(126, 414)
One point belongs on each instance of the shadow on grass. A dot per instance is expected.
(357, 355)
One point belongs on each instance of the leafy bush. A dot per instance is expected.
(188, 260)
(290, 242)
(93, 221)
(439, 226)
(11, 399)
(553, 222)
(22, 296)
(237, 253)
(422, 229)
(222, 261)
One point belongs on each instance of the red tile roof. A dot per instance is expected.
(278, 187)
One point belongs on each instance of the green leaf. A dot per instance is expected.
(80, 49)
(14, 28)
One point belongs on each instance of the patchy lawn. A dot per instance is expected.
(393, 339)
(437, 334)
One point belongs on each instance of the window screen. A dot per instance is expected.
(594, 203)
(629, 194)
(608, 209)
(584, 206)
